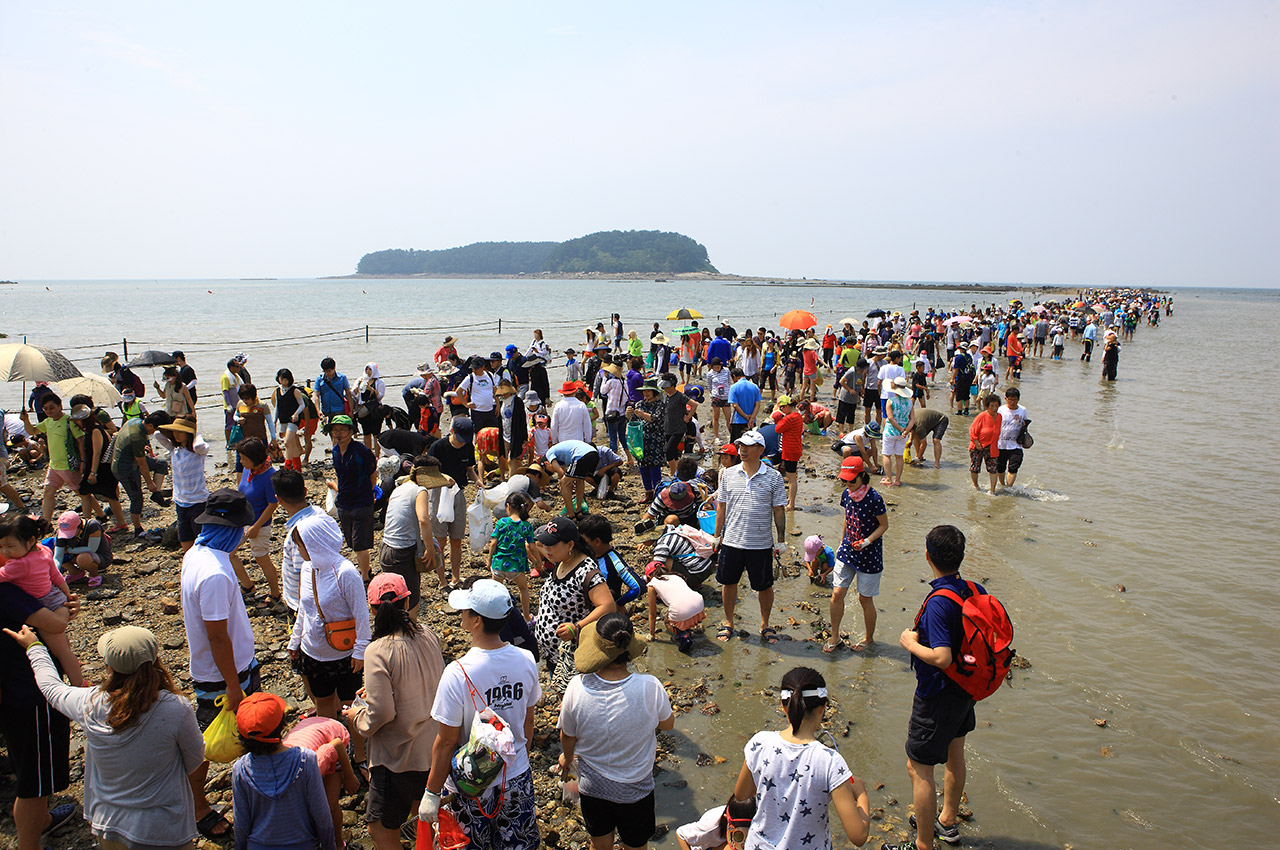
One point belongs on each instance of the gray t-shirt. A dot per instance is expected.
(401, 528)
(135, 782)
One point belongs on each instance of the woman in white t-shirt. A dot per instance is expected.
(795, 779)
(607, 722)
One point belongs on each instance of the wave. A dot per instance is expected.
(1035, 492)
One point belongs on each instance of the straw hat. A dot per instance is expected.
(504, 389)
(450, 340)
(594, 653)
(613, 369)
(535, 470)
(812, 345)
(186, 426)
(659, 339)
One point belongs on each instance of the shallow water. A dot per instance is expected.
(1128, 484)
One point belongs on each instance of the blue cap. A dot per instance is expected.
(511, 348)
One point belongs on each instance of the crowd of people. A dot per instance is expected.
(556, 615)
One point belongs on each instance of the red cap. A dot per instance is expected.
(259, 717)
(851, 468)
(730, 449)
(387, 587)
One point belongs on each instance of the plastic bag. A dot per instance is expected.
(444, 513)
(603, 488)
(635, 439)
(479, 761)
(221, 740)
(480, 523)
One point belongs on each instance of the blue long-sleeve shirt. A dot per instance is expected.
(279, 802)
(610, 563)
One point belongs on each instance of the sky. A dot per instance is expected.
(1078, 143)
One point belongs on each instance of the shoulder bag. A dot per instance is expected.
(340, 634)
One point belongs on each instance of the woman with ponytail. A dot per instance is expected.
(795, 780)
(402, 668)
(607, 721)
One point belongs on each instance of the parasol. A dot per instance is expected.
(152, 357)
(98, 388)
(958, 320)
(849, 320)
(797, 320)
(685, 330)
(684, 313)
(22, 362)
(876, 314)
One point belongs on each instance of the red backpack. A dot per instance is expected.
(982, 664)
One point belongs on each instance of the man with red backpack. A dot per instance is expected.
(960, 653)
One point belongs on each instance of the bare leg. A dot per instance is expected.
(30, 816)
(766, 607)
(937, 453)
(48, 500)
(953, 783)
(362, 561)
(455, 558)
(14, 497)
(868, 604)
(729, 594)
(273, 575)
(242, 575)
(923, 796)
(60, 647)
(837, 613)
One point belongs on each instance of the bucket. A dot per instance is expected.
(707, 521)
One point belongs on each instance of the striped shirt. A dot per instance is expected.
(187, 470)
(748, 505)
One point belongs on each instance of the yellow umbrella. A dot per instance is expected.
(684, 313)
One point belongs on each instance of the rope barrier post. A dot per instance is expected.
(499, 325)
(366, 334)
(124, 343)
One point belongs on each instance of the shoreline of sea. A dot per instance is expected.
(732, 279)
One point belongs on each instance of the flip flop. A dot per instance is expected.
(832, 647)
(724, 634)
(769, 636)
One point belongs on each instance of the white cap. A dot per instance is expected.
(750, 438)
(486, 597)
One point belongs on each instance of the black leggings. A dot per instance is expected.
(769, 378)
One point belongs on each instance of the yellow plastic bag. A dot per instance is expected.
(221, 739)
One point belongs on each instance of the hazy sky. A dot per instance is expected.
(1055, 142)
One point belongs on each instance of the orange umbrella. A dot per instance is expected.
(797, 320)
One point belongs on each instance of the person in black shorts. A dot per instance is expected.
(941, 712)
(37, 737)
(678, 415)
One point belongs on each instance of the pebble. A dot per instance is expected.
(112, 618)
(169, 605)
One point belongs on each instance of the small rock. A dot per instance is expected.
(102, 593)
(174, 643)
(169, 605)
(148, 568)
(1106, 752)
(1100, 721)
(704, 759)
(1119, 588)
(112, 617)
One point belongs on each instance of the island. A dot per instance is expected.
(606, 252)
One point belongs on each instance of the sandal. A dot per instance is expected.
(60, 815)
(95, 581)
(76, 576)
(768, 636)
(207, 824)
(832, 647)
(724, 633)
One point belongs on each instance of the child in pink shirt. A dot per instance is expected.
(29, 565)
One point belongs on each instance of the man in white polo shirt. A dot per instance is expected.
(750, 495)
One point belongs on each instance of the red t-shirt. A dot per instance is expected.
(810, 361)
(790, 429)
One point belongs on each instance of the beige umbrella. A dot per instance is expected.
(98, 388)
(21, 362)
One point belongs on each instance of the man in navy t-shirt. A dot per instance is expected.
(942, 712)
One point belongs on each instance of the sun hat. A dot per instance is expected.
(226, 506)
(750, 438)
(127, 648)
(450, 340)
(535, 469)
(534, 360)
(973, 345)
(532, 400)
(898, 386)
(109, 360)
(594, 653)
(186, 426)
(559, 530)
(424, 368)
(659, 339)
(812, 546)
(428, 477)
(80, 411)
(613, 369)
(785, 401)
(464, 428)
(881, 350)
(851, 468)
(570, 388)
(677, 496)
(259, 717)
(504, 389)
(68, 524)
(601, 346)
(651, 385)
(694, 393)
(487, 597)
(985, 350)
(812, 345)
(387, 587)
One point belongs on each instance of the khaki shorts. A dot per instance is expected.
(260, 546)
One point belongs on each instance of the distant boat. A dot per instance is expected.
(660, 280)
(8, 283)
